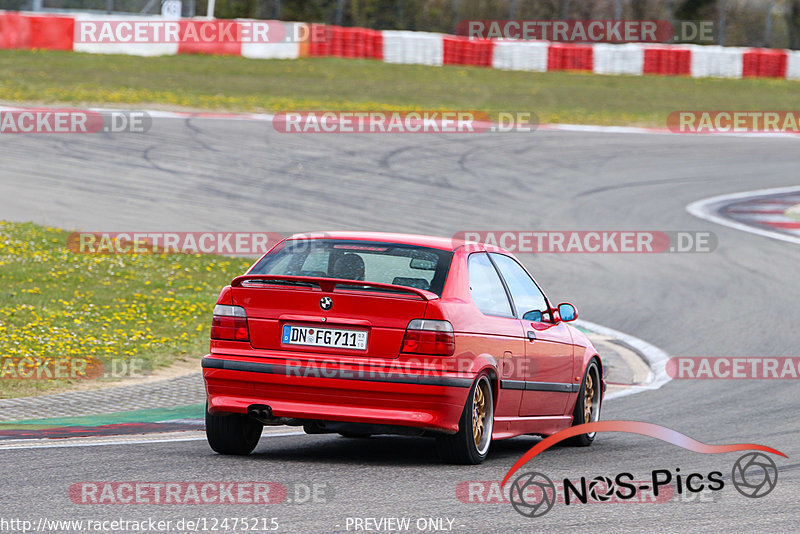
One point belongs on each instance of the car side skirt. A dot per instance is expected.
(509, 427)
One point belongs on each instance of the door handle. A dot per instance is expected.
(531, 335)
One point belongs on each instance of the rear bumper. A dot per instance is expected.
(421, 398)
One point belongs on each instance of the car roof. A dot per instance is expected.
(442, 243)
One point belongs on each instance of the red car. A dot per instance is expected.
(371, 333)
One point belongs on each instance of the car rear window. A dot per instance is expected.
(386, 263)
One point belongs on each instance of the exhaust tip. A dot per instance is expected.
(260, 411)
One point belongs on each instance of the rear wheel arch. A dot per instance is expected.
(493, 375)
(494, 380)
(471, 444)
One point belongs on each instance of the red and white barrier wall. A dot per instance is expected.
(18, 30)
(56, 32)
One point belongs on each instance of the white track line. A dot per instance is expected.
(27, 446)
(708, 209)
(15, 445)
(592, 128)
(655, 358)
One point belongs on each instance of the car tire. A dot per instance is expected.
(590, 410)
(470, 445)
(234, 434)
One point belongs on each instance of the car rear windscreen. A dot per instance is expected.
(386, 263)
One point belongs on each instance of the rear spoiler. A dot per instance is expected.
(328, 284)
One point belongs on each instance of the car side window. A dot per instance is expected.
(524, 292)
(486, 287)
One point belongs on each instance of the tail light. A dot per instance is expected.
(424, 336)
(229, 323)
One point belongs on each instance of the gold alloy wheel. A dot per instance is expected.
(478, 414)
(588, 399)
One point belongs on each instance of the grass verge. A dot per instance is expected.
(240, 84)
(115, 309)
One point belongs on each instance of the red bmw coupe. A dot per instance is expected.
(371, 333)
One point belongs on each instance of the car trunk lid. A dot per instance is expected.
(293, 313)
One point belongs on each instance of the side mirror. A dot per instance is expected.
(567, 312)
(533, 316)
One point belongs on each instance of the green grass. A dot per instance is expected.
(89, 308)
(239, 84)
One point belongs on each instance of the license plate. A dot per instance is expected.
(324, 337)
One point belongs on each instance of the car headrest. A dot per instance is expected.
(349, 267)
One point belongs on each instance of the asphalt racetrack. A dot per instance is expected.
(739, 300)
